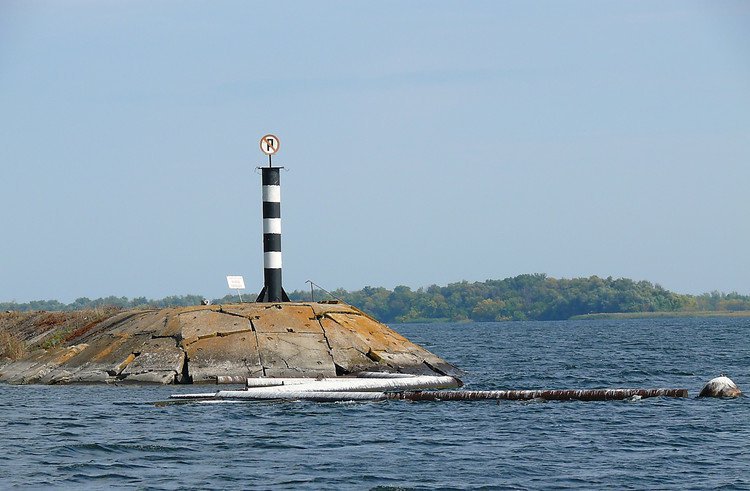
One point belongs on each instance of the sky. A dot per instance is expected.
(424, 142)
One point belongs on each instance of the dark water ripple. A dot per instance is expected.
(108, 437)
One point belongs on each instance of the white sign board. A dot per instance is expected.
(269, 144)
(236, 282)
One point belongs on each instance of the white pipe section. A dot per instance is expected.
(331, 389)
(293, 394)
(384, 375)
(364, 385)
(274, 382)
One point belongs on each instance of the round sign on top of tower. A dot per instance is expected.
(269, 144)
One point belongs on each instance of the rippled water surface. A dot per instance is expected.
(103, 437)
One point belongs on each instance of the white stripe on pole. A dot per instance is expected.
(272, 194)
(272, 260)
(272, 225)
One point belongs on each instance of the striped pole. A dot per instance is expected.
(272, 289)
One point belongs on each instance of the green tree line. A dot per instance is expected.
(87, 303)
(524, 297)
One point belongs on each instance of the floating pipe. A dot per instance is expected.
(230, 379)
(547, 395)
(384, 375)
(408, 388)
(290, 394)
(332, 386)
(418, 382)
(274, 382)
(293, 393)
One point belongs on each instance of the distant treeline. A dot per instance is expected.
(87, 303)
(525, 297)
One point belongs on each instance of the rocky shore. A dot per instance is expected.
(207, 344)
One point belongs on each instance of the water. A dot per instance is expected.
(104, 437)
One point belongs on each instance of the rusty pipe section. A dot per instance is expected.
(300, 393)
(527, 395)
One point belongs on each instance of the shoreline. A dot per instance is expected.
(656, 315)
(597, 316)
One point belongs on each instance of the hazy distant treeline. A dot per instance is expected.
(524, 297)
(87, 303)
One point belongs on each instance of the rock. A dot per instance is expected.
(350, 352)
(160, 361)
(163, 377)
(231, 355)
(207, 323)
(20, 372)
(202, 344)
(279, 318)
(295, 355)
(720, 387)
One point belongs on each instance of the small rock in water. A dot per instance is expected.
(720, 387)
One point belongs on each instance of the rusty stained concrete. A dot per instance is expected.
(199, 344)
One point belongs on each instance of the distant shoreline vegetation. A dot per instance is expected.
(524, 297)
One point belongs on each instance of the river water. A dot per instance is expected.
(103, 437)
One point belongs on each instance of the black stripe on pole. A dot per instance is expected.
(270, 176)
(272, 277)
(271, 242)
(271, 209)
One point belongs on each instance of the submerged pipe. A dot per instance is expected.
(547, 395)
(293, 393)
(410, 389)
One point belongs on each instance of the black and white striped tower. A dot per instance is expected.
(272, 289)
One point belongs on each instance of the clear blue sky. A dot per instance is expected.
(426, 142)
